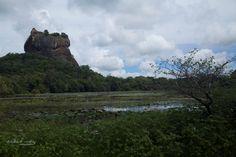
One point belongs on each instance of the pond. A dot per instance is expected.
(145, 108)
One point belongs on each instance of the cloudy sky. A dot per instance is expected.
(122, 37)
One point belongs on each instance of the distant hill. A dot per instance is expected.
(47, 66)
(34, 73)
(24, 73)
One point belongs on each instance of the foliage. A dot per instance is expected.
(225, 100)
(32, 73)
(55, 34)
(173, 133)
(64, 35)
(5, 86)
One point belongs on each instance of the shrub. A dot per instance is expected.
(64, 35)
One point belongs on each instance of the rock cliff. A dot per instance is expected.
(51, 45)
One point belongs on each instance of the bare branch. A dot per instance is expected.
(198, 75)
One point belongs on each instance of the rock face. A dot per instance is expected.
(51, 45)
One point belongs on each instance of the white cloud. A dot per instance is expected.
(110, 35)
(150, 47)
(117, 73)
(39, 19)
(147, 69)
(123, 73)
(219, 57)
(154, 44)
(43, 19)
(102, 60)
(91, 5)
(221, 35)
(100, 39)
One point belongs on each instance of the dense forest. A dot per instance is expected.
(32, 73)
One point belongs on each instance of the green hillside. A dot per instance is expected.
(24, 73)
(32, 73)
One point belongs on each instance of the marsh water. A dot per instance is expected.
(86, 106)
(144, 108)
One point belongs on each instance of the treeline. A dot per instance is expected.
(32, 73)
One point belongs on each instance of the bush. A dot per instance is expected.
(173, 133)
(55, 34)
(64, 35)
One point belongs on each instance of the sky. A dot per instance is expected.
(122, 37)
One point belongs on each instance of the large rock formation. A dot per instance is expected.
(51, 45)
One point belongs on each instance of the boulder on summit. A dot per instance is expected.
(51, 45)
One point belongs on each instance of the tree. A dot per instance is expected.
(64, 35)
(194, 77)
(55, 34)
(46, 32)
(5, 87)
